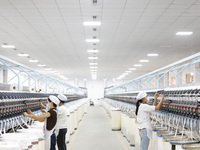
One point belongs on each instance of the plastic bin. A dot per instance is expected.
(116, 119)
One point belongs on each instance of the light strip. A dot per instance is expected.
(137, 65)
(144, 60)
(92, 51)
(92, 23)
(92, 57)
(93, 63)
(128, 71)
(42, 65)
(132, 69)
(23, 55)
(93, 67)
(92, 40)
(48, 69)
(152, 54)
(184, 33)
(8, 46)
(33, 60)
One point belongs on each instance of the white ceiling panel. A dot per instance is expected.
(53, 32)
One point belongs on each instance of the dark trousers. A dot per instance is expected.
(53, 142)
(61, 139)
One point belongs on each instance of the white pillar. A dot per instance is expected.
(196, 76)
(5, 75)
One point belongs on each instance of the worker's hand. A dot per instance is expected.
(43, 111)
(25, 114)
(40, 103)
(162, 97)
(156, 95)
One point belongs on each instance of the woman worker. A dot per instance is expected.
(61, 126)
(143, 111)
(49, 119)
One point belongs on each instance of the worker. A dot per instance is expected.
(143, 111)
(61, 126)
(50, 120)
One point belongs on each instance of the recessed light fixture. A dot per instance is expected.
(93, 67)
(184, 33)
(22, 54)
(92, 51)
(42, 65)
(144, 60)
(7, 46)
(132, 69)
(137, 65)
(93, 70)
(92, 23)
(128, 71)
(92, 40)
(92, 57)
(152, 54)
(34, 60)
(48, 69)
(93, 63)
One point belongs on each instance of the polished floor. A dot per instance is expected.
(94, 133)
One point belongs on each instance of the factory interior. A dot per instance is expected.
(99, 74)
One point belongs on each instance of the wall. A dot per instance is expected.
(95, 88)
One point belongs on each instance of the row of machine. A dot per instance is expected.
(176, 125)
(18, 132)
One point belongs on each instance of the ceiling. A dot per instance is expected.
(52, 31)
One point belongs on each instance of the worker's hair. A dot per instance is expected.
(52, 102)
(137, 106)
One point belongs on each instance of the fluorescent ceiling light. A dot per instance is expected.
(92, 23)
(42, 65)
(92, 40)
(8, 46)
(93, 67)
(137, 65)
(124, 74)
(93, 63)
(132, 69)
(48, 69)
(33, 60)
(23, 55)
(128, 71)
(92, 51)
(92, 57)
(152, 54)
(93, 70)
(184, 33)
(144, 60)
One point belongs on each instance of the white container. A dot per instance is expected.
(122, 122)
(76, 119)
(154, 141)
(116, 119)
(72, 122)
(132, 131)
(5, 145)
(67, 137)
(137, 138)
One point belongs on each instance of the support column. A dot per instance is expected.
(196, 76)
(5, 75)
